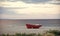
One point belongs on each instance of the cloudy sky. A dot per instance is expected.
(29, 9)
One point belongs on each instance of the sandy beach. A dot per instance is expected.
(23, 29)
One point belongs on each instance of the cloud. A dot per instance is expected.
(9, 11)
(34, 13)
(14, 4)
(21, 10)
(28, 1)
(6, 11)
(39, 16)
(35, 1)
(57, 2)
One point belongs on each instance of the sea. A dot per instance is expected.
(13, 26)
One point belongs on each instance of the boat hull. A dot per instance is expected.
(31, 26)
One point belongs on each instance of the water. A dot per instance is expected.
(16, 26)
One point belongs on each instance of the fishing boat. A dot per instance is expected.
(33, 26)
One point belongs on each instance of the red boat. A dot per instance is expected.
(33, 26)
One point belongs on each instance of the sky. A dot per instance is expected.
(29, 9)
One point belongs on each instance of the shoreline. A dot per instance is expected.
(25, 30)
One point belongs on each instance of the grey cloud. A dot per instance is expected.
(6, 11)
(55, 0)
(9, 11)
(2, 0)
(28, 1)
(16, 7)
(55, 3)
(35, 1)
(41, 1)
